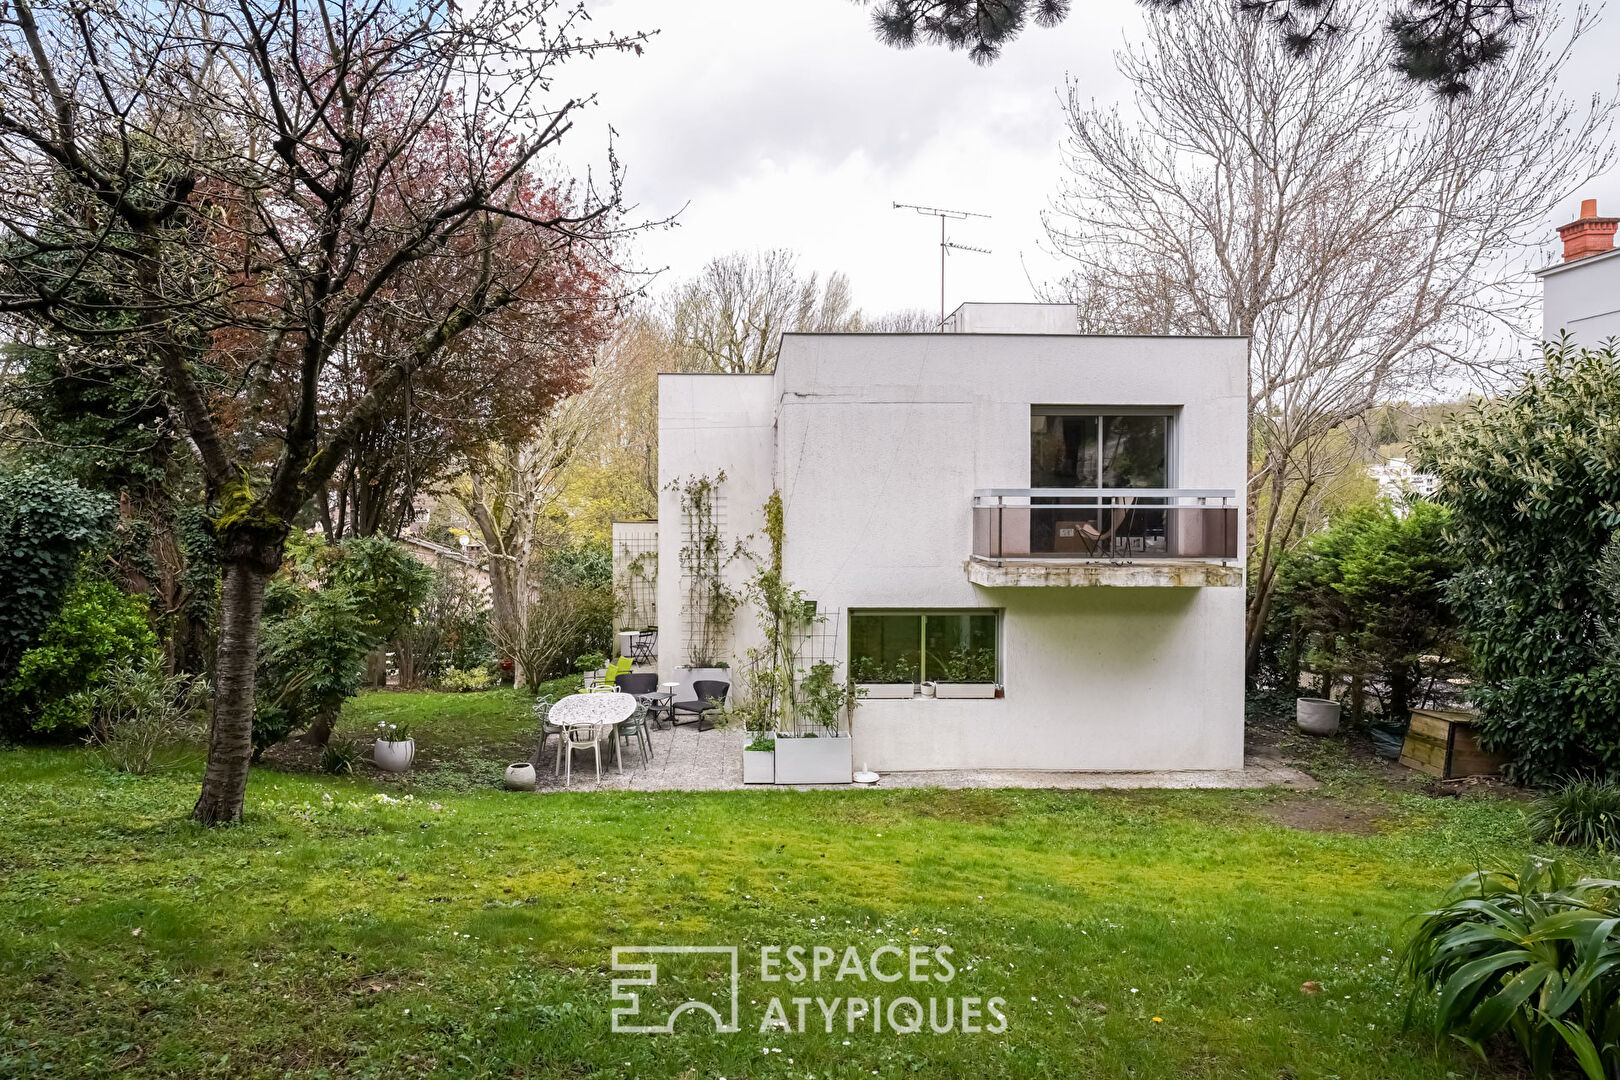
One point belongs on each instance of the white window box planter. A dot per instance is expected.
(759, 767)
(965, 690)
(889, 689)
(825, 759)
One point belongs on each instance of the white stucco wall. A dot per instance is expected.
(709, 423)
(882, 440)
(1582, 297)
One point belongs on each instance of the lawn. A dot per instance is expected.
(362, 928)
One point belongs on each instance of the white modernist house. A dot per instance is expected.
(1026, 540)
(1580, 295)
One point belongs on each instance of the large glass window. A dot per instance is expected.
(1095, 448)
(1099, 450)
(934, 646)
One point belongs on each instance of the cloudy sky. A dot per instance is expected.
(785, 123)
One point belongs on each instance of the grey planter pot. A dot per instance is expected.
(759, 767)
(1317, 716)
(826, 759)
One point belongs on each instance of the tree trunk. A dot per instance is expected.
(230, 739)
(506, 587)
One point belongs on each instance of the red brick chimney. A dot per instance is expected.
(1588, 234)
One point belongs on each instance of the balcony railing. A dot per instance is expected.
(1116, 524)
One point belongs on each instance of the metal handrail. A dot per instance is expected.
(1104, 493)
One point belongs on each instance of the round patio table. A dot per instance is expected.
(583, 709)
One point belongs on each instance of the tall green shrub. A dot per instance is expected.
(98, 627)
(1533, 483)
(1364, 598)
(47, 524)
(327, 608)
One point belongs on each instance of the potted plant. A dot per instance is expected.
(394, 750)
(880, 680)
(759, 759)
(820, 752)
(970, 673)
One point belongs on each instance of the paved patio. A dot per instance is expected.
(686, 759)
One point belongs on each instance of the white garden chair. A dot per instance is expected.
(583, 737)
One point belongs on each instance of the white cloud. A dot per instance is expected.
(787, 124)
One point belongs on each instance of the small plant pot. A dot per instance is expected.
(520, 776)
(759, 767)
(928, 689)
(889, 690)
(395, 757)
(1317, 716)
(965, 690)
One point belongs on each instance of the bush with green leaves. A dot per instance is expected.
(339, 757)
(312, 652)
(99, 626)
(1365, 599)
(1532, 480)
(458, 681)
(1535, 955)
(47, 525)
(136, 709)
(1583, 813)
(323, 613)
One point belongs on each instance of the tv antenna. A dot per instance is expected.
(946, 246)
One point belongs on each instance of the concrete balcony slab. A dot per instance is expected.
(1076, 573)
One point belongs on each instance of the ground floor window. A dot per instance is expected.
(924, 646)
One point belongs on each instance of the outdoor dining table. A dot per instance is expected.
(577, 710)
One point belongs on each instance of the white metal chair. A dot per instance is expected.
(582, 737)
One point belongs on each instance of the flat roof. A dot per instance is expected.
(1585, 260)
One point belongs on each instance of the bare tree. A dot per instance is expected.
(1368, 239)
(508, 488)
(730, 317)
(230, 188)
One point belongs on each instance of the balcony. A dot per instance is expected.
(1104, 536)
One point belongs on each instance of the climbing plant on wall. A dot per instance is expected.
(711, 604)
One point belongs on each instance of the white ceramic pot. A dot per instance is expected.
(826, 759)
(889, 689)
(965, 689)
(393, 756)
(520, 776)
(1317, 716)
(759, 767)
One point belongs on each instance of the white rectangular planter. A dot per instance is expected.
(889, 689)
(826, 759)
(759, 767)
(965, 689)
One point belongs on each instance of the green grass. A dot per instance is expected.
(346, 930)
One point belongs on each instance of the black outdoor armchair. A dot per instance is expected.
(643, 685)
(711, 695)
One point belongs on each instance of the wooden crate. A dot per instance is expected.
(1443, 744)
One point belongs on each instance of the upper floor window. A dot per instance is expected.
(1098, 448)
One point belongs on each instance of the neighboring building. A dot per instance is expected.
(1581, 294)
(1059, 511)
(1396, 479)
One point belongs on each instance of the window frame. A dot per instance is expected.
(922, 614)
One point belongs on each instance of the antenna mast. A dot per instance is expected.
(945, 245)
